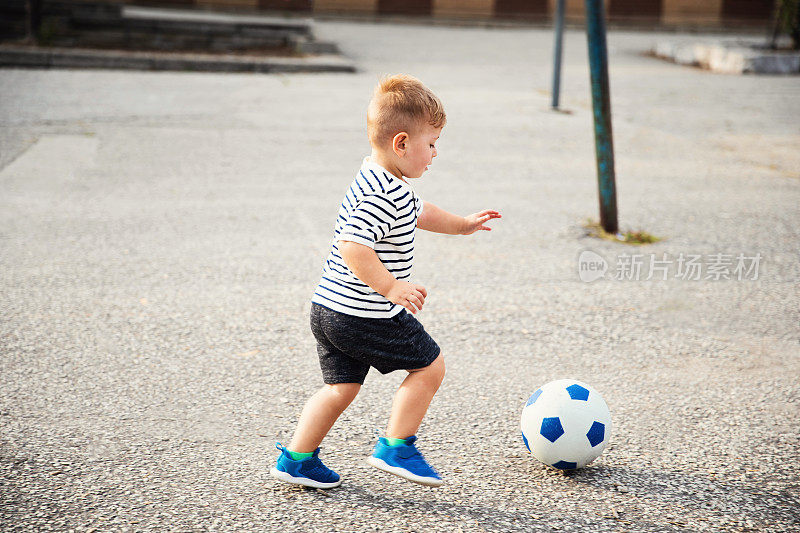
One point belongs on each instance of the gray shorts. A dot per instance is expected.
(349, 345)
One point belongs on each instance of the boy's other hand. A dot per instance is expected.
(476, 221)
(409, 295)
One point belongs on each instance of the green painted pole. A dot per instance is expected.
(601, 104)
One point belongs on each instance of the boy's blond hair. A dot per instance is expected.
(401, 103)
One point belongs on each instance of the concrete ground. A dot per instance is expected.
(161, 235)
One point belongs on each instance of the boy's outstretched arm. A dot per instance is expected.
(365, 264)
(436, 219)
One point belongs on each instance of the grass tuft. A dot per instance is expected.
(639, 237)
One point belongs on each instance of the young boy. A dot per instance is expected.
(362, 309)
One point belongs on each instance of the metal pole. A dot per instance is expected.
(601, 103)
(557, 53)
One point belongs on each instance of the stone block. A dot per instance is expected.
(703, 54)
(730, 57)
(688, 54)
(726, 61)
(665, 49)
(103, 39)
(788, 63)
(23, 58)
(71, 59)
(316, 47)
(188, 27)
(273, 32)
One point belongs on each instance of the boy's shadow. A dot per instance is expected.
(689, 495)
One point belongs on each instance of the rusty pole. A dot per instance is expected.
(601, 103)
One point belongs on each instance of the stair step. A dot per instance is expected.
(206, 19)
(32, 57)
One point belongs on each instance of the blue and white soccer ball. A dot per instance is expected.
(566, 424)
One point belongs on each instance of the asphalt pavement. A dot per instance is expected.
(161, 235)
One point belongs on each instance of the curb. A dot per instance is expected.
(34, 57)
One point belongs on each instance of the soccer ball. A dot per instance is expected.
(566, 424)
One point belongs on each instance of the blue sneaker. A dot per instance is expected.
(404, 461)
(309, 472)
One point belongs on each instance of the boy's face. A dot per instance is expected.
(420, 151)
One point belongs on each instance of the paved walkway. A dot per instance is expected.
(159, 245)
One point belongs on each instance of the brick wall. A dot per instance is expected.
(691, 11)
(668, 12)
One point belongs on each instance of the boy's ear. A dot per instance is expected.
(399, 143)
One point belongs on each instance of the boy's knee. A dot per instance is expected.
(435, 370)
(344, 392)
(440, 366)
(439, 362)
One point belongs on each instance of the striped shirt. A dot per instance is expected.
(380, 211)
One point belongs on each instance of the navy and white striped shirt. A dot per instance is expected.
(380, 211)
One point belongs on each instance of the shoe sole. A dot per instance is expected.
(288, 478)
(380, 464)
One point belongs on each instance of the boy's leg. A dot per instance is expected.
(412, 399)
(319, 414)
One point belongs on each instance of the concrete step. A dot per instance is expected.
(112, 25)
(301, 26)
(35, 57)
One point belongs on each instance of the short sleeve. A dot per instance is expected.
(369, 221)
(418, 203)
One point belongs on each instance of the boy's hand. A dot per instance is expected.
(409, 295)
(476, 221)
